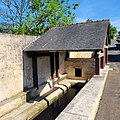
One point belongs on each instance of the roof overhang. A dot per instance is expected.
(69, 50)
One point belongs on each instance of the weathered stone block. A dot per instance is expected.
(86, 65)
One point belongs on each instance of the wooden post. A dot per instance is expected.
(97, 70)
(106, 55)
(52, 64)
(35, 74)
(102, 62)
(57, 63)
(97, 64)
(67, 55)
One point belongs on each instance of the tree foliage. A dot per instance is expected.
(13, 12)
(34, 17)
(113, 31)
(4, 28)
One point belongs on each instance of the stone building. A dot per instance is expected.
(34, 65)
(77, 50)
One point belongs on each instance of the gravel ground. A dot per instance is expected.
(109, 108)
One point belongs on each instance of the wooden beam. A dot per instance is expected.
(61, 50)
(53, 51)
(36, 54)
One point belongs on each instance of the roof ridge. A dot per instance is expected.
(91, 21)
(86, 22)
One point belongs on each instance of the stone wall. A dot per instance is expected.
(11, 64)
(44, 76)
(43, 66)
(62, 63)
(86, 65)
(27, 71)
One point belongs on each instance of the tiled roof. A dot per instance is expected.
(81, 36)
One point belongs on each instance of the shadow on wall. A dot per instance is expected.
(114, 58)
(33, 92)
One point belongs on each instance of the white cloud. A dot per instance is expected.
(78, 20)
(116, 23)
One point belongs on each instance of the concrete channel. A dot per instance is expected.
(57, 107)
(36, 106)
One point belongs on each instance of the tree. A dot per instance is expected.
(113, 31)
(4, 27)
(13, 12)
(34, 17)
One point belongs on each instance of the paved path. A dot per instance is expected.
(109, 108)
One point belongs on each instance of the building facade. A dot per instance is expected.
(31, 66)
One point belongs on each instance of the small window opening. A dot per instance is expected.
(78, 72)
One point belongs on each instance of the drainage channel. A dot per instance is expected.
(57, 107)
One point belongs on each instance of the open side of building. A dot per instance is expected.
(77, 50)
(33, 66)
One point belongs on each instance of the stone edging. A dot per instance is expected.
(85, 104)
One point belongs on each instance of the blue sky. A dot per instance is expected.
(98, 9)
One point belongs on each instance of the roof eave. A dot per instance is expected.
(90, 49)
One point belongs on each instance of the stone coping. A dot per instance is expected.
(12, 103)
(85, 104)
(12, 98)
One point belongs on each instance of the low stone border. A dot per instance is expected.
(12, 103)
(85, 104)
